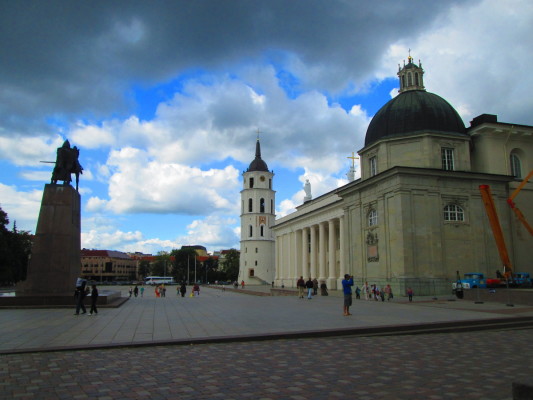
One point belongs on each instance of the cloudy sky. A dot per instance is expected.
(165, 98)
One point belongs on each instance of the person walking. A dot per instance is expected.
(183, 289)
(315, 287)
(347, 284)
(136, 291)
(323, 289)
(309, 286)
(300, 284)
(357, 293)
(366, 290)
(94, 299)
(130, 291)
(388, 292)
(142, 291)
(79, 294)
(410, 294)
(242, 284)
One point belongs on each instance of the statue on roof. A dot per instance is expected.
(307, 190)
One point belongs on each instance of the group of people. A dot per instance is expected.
(135, 291)
(311, 286)
(81, 292)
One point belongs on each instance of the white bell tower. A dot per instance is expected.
(258, 207)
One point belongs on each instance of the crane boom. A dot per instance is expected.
(513, 206)
(486, 196)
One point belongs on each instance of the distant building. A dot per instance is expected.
(200, 250)
(107, 265)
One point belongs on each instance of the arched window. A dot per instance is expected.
(372, 218)
(416, 79)
(250, 206)
(452, 212)
(402, 82)
(262, 205)
(251, 231)
(516, 166)
(409, 79)
(262, 230)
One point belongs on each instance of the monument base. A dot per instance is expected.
(106, 299)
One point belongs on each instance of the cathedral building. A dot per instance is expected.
(416, 216)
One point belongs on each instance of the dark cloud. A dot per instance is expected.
(66, 58)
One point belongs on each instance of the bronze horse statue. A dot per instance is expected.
(67, 163)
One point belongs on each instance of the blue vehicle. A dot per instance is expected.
(472, 280)
(522, 279)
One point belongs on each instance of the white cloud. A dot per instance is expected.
(22, 207)
(24, 151)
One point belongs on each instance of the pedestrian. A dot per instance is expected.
(196, 289)
(382, 294)
(357, 293)
(388, 292)
(315, 287)
(157, 292)
(410, 294)
(242, 284)
(131, 291)
(163, 290)
(183, 289)
(79, 294)
(94, 299)
(142, 291)
(323, 289)
(301, 287)
(366, 290)
(309, 286)
(136, 291)
(347, 284)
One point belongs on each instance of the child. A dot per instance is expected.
(410, 294)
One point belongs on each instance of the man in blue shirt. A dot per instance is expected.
(347, 284)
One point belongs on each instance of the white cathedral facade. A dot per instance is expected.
(415, 217)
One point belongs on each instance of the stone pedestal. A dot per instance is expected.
(55, 261)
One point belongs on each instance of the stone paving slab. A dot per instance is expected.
(224, 314)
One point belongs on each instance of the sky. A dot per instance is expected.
(165, 99)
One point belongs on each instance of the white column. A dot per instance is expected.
(312, 272)
(293, 251)
(321, 251)
(277, 246)
(298, 251)
(305, 252)
(332, 250)
(342, 253)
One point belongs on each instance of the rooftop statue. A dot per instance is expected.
(67, 163)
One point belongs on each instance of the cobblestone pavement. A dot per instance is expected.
(472, 365)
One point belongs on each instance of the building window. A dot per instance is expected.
(252, 272)
(251, 231)
(453, 212)
(250, 205)
(271, 206)
(417, 83)
(262, 205)
(256, 250)
(409, 79)
(372, 218)
(373, 166)
(447, 159)
(262, 230)
(270, 183)
(516, 166)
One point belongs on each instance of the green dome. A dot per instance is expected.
(414, 111)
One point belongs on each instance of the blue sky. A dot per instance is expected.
(164, 100)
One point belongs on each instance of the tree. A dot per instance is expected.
(183, 263)
(15, 249)
(144, 268)
(231, 264)
(161, 266)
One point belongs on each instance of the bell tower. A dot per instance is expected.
(257, 218)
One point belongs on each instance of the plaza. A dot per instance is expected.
(232, 345)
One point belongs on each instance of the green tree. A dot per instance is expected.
(161, 266)
(183, 264)
(231, 264)
(15, 249)
(144, 268)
